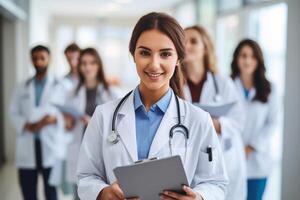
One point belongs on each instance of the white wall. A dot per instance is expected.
(291, 158)
(39, 23)
(15, 66)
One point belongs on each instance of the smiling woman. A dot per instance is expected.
(146, 116)
(155, 64)
(164, 39)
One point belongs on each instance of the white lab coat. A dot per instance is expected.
(231, 127)
(23, 110)
(64, 87)
(261, 121)
(78, 101)
(98, 157)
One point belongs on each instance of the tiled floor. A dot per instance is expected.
(9, 188)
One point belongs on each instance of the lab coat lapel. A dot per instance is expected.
(240, 86)
(125, 126)
(252, 94)
(100, 94)
(205, 93)
(168, 121)
(208, 90)
(46, 94)
(31, 94)
(187, 93)
(80, 104)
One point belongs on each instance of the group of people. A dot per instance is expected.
(177, 69)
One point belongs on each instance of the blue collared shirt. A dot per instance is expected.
(147, 123)
(38, 88)
(246, 93)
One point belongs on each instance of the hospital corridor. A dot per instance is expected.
(160, 99)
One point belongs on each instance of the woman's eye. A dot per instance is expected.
(144, 53)
(193, 41)
(165, 54)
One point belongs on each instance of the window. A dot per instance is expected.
(268, 26)
(227, 38)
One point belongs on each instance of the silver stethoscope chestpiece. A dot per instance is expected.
(113, 138)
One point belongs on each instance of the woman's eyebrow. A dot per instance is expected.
(146, 48)
(143, 47)
(167, 49)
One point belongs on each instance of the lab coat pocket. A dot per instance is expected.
(25, 106)
(231, 158)
(208, 162)
(24, 148)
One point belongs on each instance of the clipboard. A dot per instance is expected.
(217, 110)
(69, 110)
(148, 179)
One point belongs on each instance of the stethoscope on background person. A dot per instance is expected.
(114, 136)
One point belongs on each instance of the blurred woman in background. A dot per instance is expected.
(92, 90)
(261, 104)
(205, 86)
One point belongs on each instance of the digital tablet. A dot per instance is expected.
(148, 179)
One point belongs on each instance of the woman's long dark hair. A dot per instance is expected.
(100, 74)
(261, 83)
(169, 26)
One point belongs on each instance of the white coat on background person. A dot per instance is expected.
(23, 110)
(98, 157)
(231, 129)
(68, 82)
(78, 102)
(64, 87)
(200, 70)
(261, 121)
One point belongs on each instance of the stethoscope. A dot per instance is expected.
(114, 136)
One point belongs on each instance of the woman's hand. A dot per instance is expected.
(69, 122)
(217, 125)
(113, 192)
(190, 195)
(85, 119)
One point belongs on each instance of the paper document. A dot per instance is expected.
(217, 110)
(70, 110)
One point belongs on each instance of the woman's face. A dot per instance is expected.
(195, 48)
(246, 61)
(156, 58)
(89, 67)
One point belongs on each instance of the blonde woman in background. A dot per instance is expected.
(205, 86)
